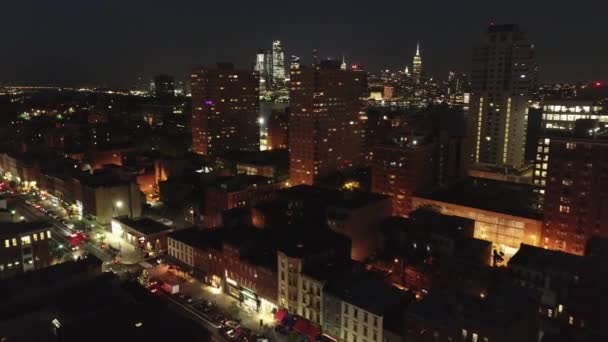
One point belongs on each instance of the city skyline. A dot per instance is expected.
(73, 44)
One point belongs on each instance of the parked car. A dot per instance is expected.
(231, 324)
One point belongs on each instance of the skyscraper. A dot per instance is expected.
(325, 131)
(417, 65)
(501, 80)
(278, 65)
(225, 106)
(261, 66)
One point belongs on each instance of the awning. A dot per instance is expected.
(313, 332)
(307, 329)
(280, 314)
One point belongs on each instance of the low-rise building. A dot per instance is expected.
(567, 285)
(306, 251)
(105, 196)
(451, 316)
(357, 305)
(144, 233)
(233, 192)
(24, 247)
(505, 214)
(240, 261)
(352, 213)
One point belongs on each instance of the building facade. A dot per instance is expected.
(576, 193)
(325, 123)
(502, 78)
(225, 106)
(506, 231)
(558, 118)
(240, 191)
(401, 170)
(25, 247)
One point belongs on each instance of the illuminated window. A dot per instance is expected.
(48, 234)
(571, 145)
(474, 337)
(35, 237)
(25, 240)
(7, 243)
(14, 242)
(42, 236)
(464, 333)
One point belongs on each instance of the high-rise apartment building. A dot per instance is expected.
(558, 118)
(501, 80)
(401, 168)
(458, 87)
(164, 86)
(325, 128)
(225, 106)
(576, 193)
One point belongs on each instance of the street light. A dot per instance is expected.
(118, 204)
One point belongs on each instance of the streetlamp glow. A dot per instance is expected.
(119, 204)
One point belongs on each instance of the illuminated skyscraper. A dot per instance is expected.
(225, 106)
(501, 80)
(417, 65)
(261, 66)
(325, 128)
(278, 65)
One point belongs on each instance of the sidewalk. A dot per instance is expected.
(229, 305)
(127, 254)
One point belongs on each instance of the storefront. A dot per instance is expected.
(267, 307)
(233, 289)
(249, 299)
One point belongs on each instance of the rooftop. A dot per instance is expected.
(199, 238)
(239, 182)
(499, 310)
(276, 157)
(546, 260)
(102, 178)
(334, 198)
(368, 291)
(326, 272)
(506, 198)
(144, 225)
(428, 221)
(299, 245)
(131, 312)
(16, 228)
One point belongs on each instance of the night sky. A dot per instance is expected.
(112, 42)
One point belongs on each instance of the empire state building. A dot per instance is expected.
(417, 65)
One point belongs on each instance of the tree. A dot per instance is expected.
(497, 258)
